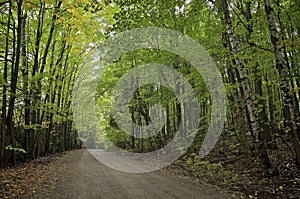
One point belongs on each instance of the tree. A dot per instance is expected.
(287, 100)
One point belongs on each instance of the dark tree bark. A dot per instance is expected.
(14, 80)
(4, 95)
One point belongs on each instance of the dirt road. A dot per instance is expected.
(85, 177)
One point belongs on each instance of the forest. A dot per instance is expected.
(253, 43)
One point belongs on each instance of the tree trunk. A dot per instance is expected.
(254, 122)
(288, 108)
(14, 80)
(24, 70)
(264, 121)
(4, 95)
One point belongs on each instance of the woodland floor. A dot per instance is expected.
(76, 174)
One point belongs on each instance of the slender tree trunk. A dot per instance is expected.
(49, 98)
(4, 95)
(132, 114)
(47, 47)
(14, 80)
(35, 113)
(24, 70)
(238, 112)
(288, 108)
(254, 122)
(264, 121)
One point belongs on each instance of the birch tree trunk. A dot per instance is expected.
(244, 81)
(288, 107)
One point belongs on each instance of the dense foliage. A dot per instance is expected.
(43, 44)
